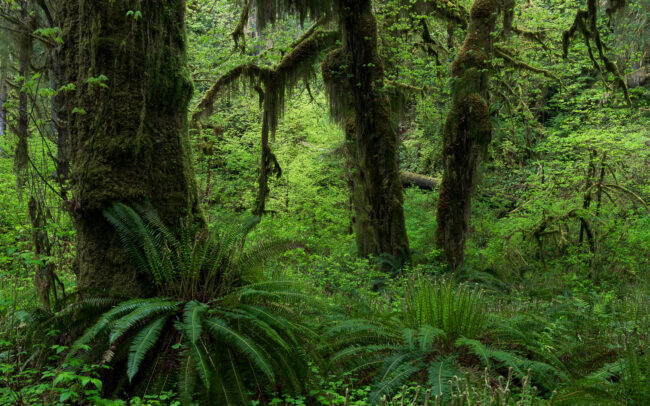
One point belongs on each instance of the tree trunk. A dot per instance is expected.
(467, 130)
(127, 127)
(60, 125)
(371, 138)
(3, 107)
(21, 156)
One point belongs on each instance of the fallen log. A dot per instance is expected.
(423, 182)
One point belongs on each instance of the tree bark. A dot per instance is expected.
(3, 107)
(21, 156)
(371, 138)
(467, 130)
(127, 127)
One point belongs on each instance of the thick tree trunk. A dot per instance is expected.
(467, 130)
(127, 126)
(371, 138)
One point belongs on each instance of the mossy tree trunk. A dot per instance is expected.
(21, 156)
(127, 126)
(355, 81)
(467, 130)
(3, 100)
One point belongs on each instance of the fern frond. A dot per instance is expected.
(237, 384)
(440, 372)
(222, 332)
(393, 381)
(142, 343)
(201, 363)
(427, 336)
(186, 378)
(105, 321)
(477, 348)
(192, 315)
(147, 309)
(261, 252)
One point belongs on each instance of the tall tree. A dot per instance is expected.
(21, 156)
(467, 131)
(127, 126)
(354, 77)
(359, 101)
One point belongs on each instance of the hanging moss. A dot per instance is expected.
(273, 86)
(359, 102)
(295, 66)
(238, 34)
(445, 9)
(268, 11)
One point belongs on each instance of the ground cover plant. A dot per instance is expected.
(333, 202)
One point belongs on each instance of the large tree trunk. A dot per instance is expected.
(371, 138)
(128, 133)
(467, 130)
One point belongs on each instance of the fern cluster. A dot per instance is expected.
(228, 333)
(443, 326)
(457, 309)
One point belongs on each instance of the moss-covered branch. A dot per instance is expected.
(205, 106)
(239, 34)
(510, 60)
(272, 86)
(585, 23)
(268, 11)
(444, 9)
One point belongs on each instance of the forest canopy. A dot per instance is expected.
(325, 202)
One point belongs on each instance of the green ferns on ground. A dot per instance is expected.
(209, 299)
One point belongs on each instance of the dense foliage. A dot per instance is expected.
(260, 297)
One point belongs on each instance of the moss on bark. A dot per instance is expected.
(467, 130)
(355, 81)
(129, 143)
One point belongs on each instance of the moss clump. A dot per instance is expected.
(483, 9)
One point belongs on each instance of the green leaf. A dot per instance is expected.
(142, 343)
(192, 320)
(222, 332)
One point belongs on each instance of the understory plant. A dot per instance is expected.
(223, 331)
(442, 328)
